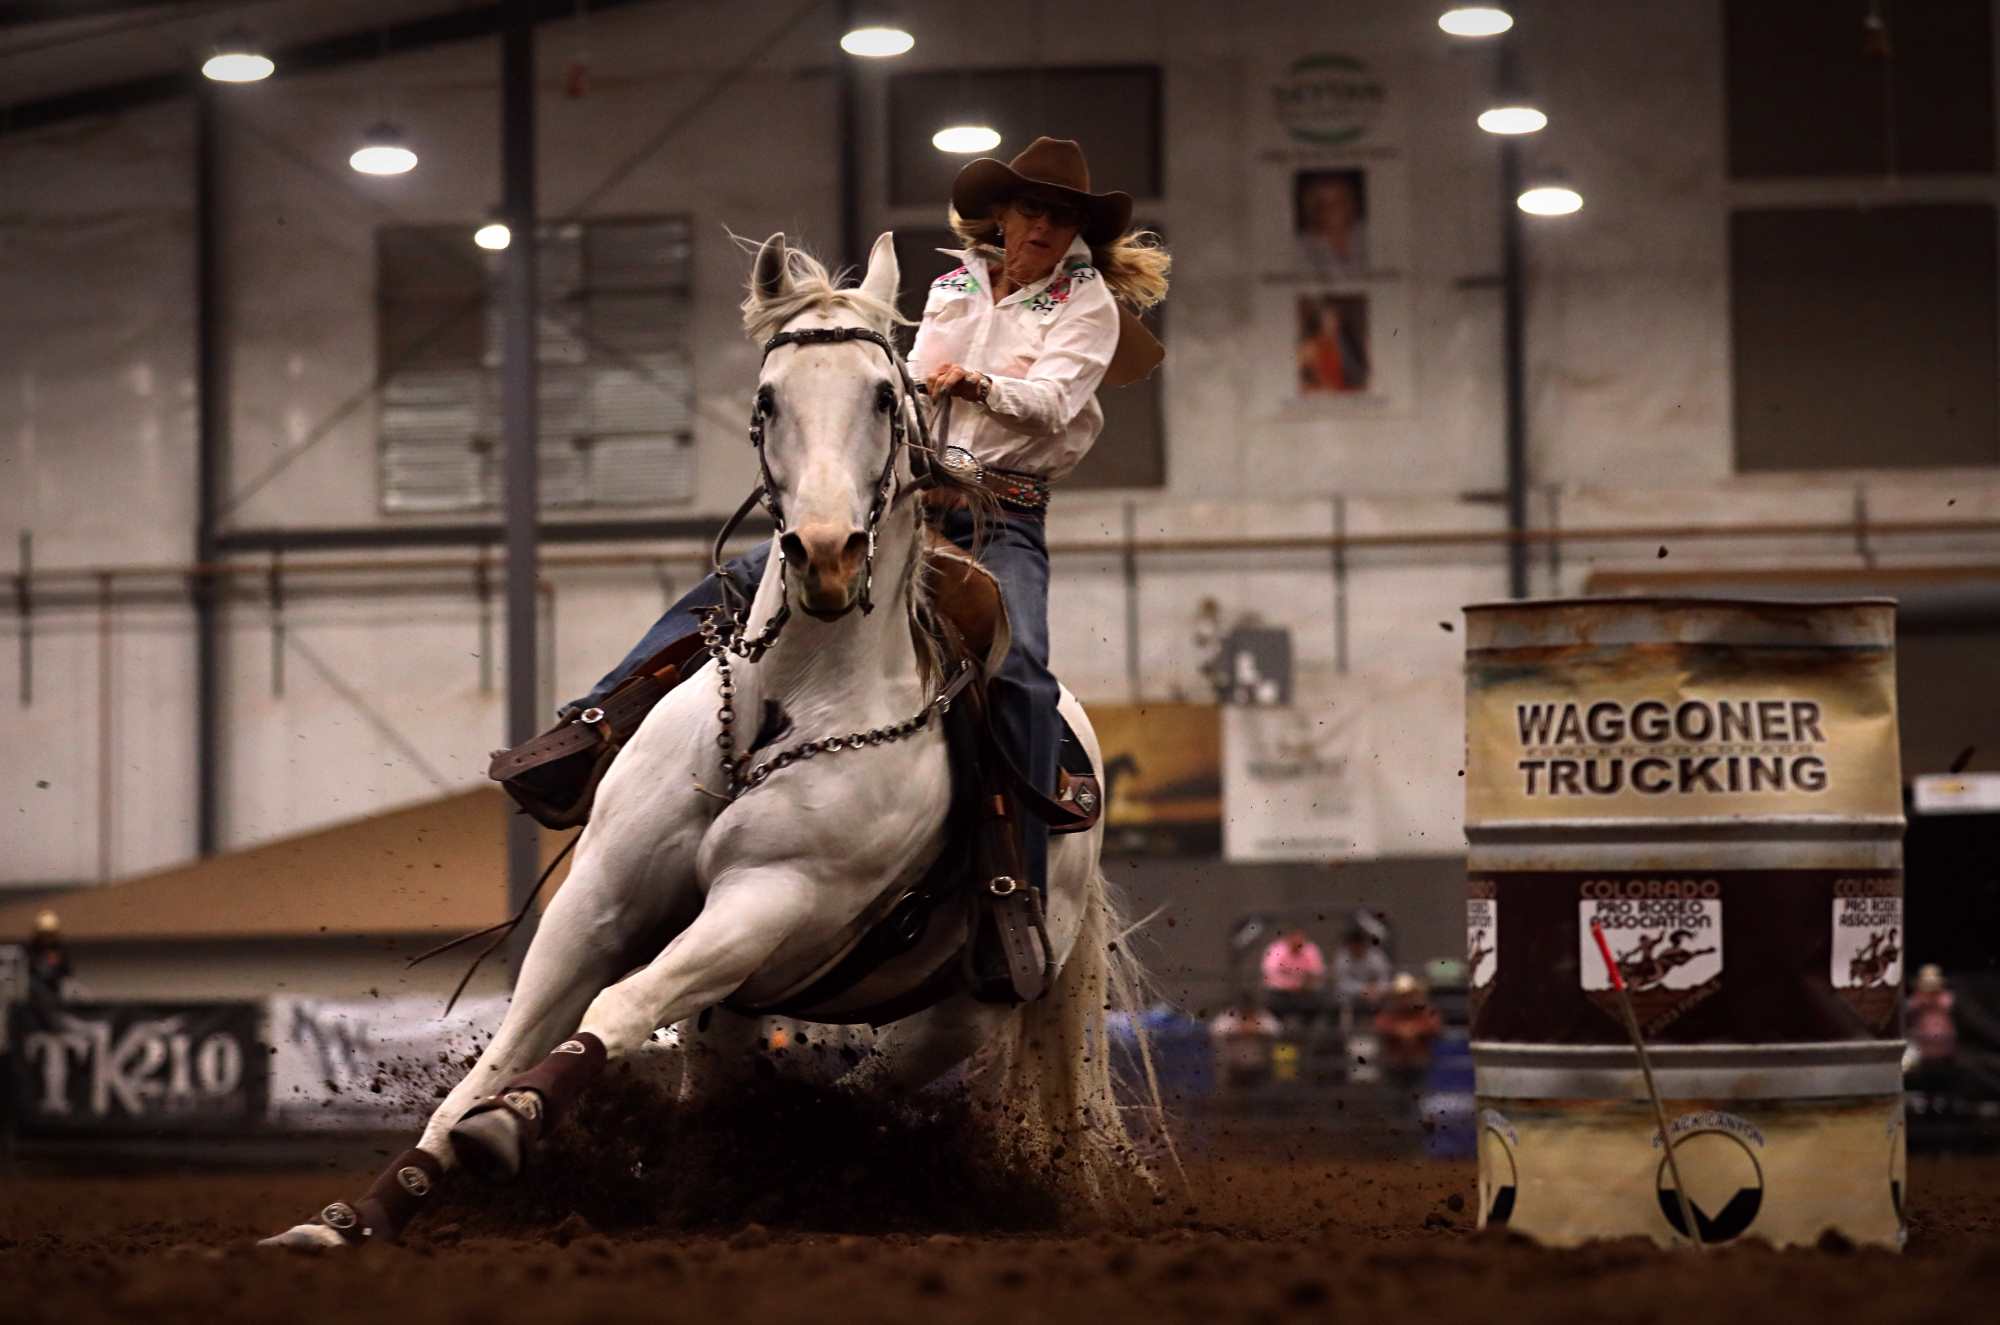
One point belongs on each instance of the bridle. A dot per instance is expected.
(722, 627)
(923, 464)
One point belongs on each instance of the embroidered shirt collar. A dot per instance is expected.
(975, 262)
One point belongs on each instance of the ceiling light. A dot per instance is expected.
(493, 236)
(1513, 119)
(236, 60)
(382, 153)
(966, 139)
(1549, 200)
(1475, 21)
(878, 41)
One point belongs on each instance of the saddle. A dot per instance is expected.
(971, 923)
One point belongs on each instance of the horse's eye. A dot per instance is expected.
(885, 398)
(767, 404)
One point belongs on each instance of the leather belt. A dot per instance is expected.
(1018, 492)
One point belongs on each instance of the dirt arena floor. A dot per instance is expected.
(1263, 1239)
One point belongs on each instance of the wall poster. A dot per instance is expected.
(1333, 235)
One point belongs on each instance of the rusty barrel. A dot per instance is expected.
(1716, 782)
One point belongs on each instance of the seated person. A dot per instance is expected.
(1294, 972)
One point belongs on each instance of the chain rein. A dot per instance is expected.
(722, 627)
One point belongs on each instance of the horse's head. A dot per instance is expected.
(829, 416)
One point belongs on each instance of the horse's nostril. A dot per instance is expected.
(856, 546)
(794, 549)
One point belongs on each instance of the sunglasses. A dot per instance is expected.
(1055, 212)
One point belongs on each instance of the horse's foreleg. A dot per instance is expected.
(583, 942)
(739, 928)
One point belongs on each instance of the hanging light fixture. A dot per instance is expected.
(878, 34)
(965, 139)
(1513, 120)
(1549, 199)
(237, 60)
(1475, 21)
(382, 152)
(494, 236)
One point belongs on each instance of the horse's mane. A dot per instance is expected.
(813, 290)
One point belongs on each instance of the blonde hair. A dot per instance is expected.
(1134, 265)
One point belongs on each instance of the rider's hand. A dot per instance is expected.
(955, 380)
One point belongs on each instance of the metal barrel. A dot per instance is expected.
(1717, 783)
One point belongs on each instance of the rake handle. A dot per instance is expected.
(1652, 1088)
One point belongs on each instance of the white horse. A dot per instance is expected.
(680, 898)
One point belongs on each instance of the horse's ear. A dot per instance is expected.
(771, 273)
(883, 275)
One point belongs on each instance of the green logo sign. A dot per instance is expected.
(1328, 100)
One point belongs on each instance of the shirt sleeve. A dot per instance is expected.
(1074, 355)
(921, 356)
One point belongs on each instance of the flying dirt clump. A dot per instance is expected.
(776, 1152)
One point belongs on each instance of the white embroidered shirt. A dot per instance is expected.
(1045, 346)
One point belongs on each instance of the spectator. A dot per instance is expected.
(1294, 974)
(1360, 970)
(48, 961)
(1242, 1036)
(1933, 1033)
(1407, 1029)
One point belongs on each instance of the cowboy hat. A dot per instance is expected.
(1053, 166)
(1056, 166)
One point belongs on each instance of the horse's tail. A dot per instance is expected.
(1058, 1071)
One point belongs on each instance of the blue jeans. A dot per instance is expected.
(1023, 692)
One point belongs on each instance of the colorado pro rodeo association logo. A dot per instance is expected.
(1867, 947)
(1482, 941)
(1666, 936)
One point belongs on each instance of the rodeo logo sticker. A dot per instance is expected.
(1867, 968)
(1665, 934)
(1482, 940)
(1717, 1153)
(1499, 1177)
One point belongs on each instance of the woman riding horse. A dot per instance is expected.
(697, 889)
(1021, 336)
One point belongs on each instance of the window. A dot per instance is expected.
(1114, 112)
(615, 391)
(1814, 90)
(1863, 338)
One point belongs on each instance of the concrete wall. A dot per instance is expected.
(384, 695)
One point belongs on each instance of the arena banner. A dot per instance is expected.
(139, 1068)
(1293, 786)
(1365, 768)
(1162, 778)
(367, 1063)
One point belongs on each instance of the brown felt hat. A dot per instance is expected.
(1047, 165)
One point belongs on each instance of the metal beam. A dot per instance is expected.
(1514, 332)
(305, 57)
(848, 94)
(212, 463)
(518, 424)
(486, 533)
(1514, 314)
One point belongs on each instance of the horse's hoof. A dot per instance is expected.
(305, 1237)
(491, 1140)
